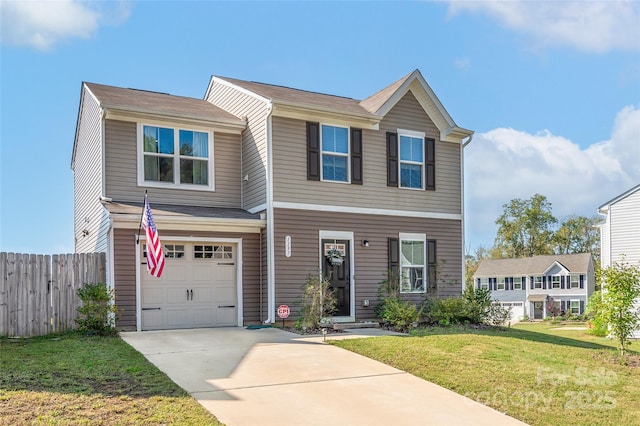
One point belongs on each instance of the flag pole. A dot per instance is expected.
(144, 205)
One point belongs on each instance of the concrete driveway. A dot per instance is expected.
(273, 377)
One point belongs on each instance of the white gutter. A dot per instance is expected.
(464, 263)
(271, 273)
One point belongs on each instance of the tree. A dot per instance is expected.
(621, 289)
(578, 234)
(471, 262)
(525, 228)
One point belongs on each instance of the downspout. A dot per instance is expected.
(271, 274)
(464, 263)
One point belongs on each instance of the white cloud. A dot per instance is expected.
(41, 23)
(504, 164)
(591, 26)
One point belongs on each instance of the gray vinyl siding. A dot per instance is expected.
(290, 167)
(121, 171)
(87, 180)
(625, 229)
(370, 263)
(254, 140)
(125, 274)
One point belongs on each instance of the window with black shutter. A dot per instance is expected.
(356, 156)
(313, 151)
(430, 163)
(392, 159)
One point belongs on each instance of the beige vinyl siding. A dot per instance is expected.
(125, 273)
(290, 167)
(625, 229)
(87, 180)
(121, 171)
(254, 139)
(371, 262)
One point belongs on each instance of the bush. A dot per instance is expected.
(400, 314)
(478, 304)
(597, 326)
(447, 311)
(97, 313)
(318, 301)
(498, 315)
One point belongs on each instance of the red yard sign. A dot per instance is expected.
(283, 311)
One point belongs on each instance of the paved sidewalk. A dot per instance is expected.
(273, 377)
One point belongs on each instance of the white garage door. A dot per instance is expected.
(517, 309)
(197, 287)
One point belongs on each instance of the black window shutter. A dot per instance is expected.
(356, 156)
(432, 265)
(563, 305)
(394, 256)
(544, 282)
(477, 282)
(313, 151)
(392, 159)
(561, 281)
(531, 283)
(581, 281)
(581, 307)
(523, 286)
(430, 163)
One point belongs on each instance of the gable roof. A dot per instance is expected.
(156, 103)
(536, 265)
(288, 101)
(603, 208)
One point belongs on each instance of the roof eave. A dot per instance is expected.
(303, 111)
(123, 112)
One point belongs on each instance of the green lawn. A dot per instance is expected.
(76, 379)
(540, 373)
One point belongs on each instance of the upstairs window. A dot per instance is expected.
(484, 283)
(335, 153)
(500, 285)
(537, 282)
(517, 283)
(555, 281)
(575, 281)
(175, 157)
(411, 162)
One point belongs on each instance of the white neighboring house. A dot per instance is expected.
(529, 285)
(620, 232)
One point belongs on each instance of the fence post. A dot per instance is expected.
(4, 296)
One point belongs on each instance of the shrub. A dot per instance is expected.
(447, 311)
(478, 304)
(400, 314)
(318, 301)
(98, 312)
(498, 315)
(388, 288)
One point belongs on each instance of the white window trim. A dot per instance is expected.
(514, 283)
(337, 154)
(504, 283)
(536, 283)
(415, 237)
(411, 134)
(554, 277)
(176, 158)
(577, 281)
(571, 307)
(484, 283)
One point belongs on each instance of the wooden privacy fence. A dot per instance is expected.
(38, 292)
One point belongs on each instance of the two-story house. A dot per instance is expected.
(539, 286)
(620, 232)
(255, 185)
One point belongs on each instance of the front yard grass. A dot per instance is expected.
(540, 373)
(92, 380)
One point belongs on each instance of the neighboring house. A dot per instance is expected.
(620, 232)
(253, 186)
(530, 285)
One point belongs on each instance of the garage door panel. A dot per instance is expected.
(197, 288)
(152, 296)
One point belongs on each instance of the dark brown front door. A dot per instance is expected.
(338, 275)
(538, 310)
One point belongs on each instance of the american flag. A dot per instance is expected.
(155, 255)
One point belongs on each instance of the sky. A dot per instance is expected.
(551, 88)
